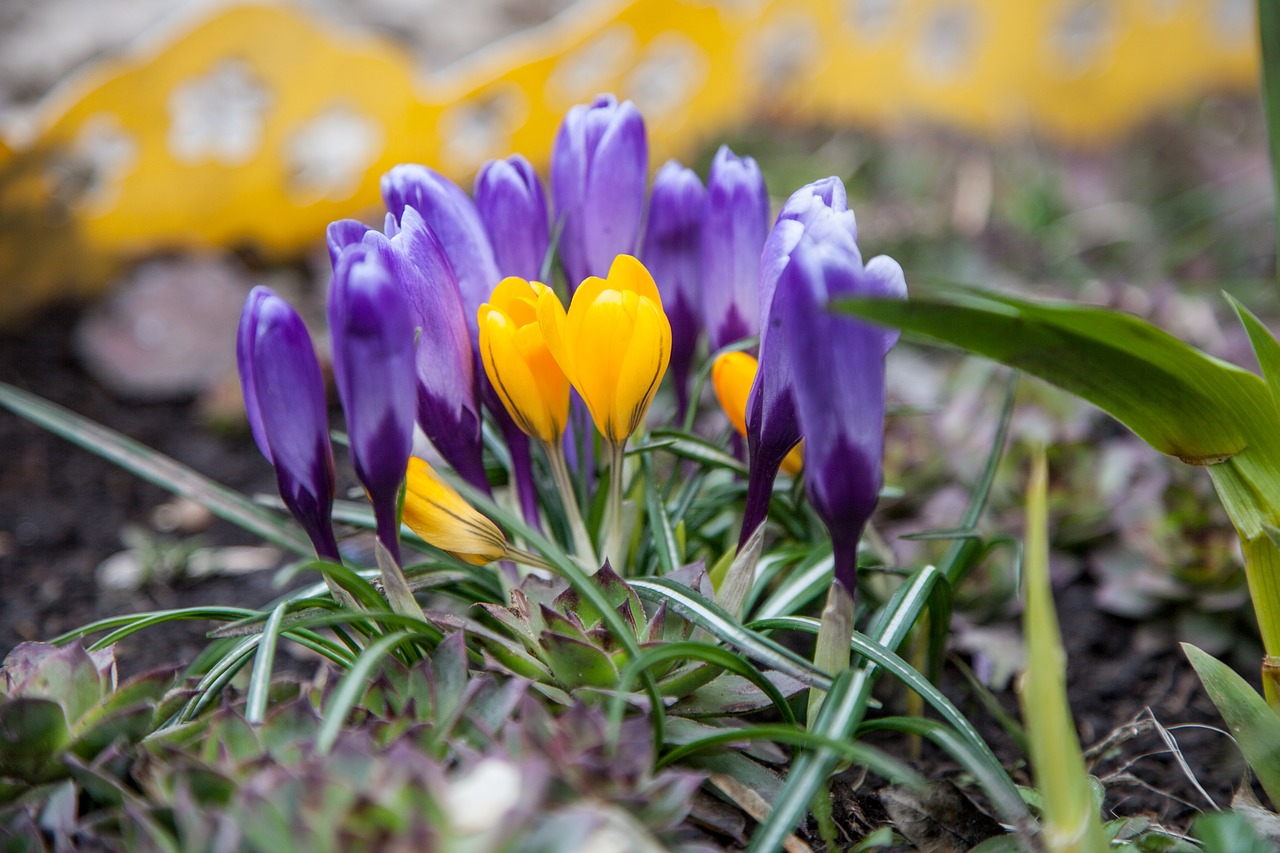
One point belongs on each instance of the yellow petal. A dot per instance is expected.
(732, 376)
(552, 322)
(551, 383)
(627, 273)
(601, 343)
(437, 513)
(517, 298)
(643, 365)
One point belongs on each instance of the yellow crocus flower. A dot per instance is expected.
(437, 513)
(521, 369)
(613, 344)
(732, 375)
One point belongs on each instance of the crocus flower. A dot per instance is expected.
(614, 344)
(437, 513)
(737, 223)
(599, 170)
(513, 208)
(520, 367)
(732, 376)
(451, 215)
(373, 364)
(837, 369)
(773, 427)
(453, 218)
(673, 253)
(285, 401)
(448, 409)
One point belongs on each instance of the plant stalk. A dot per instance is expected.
(568, 496)
(613, 512)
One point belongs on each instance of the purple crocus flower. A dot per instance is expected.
(673, 253)
(837, 372)
(773, 427)
(448, 410)
(733, 235)
(599, 170)
(373, 365)
(513, 207)
(285, 401)
(453, 218)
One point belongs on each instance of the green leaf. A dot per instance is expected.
(690, 447)
(845, 705)
(1228, 831)
(155, 467)
(264, 667)
(1071, 823)
(664, 537)
(1269, 36)
(713, 617)
(33, 733)
(1179, 400)
(1253, 723)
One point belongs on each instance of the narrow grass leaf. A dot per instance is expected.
(353, 686)
(892, 663)
(713, 618)
(699, 450)
(1253, 723)
(800, 587)
(863, 755)
(843, 710)
(1071, 823)
(155, 467)
(664, 537)
(264, 667)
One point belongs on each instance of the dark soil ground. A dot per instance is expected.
(62, 510)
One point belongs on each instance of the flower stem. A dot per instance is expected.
(613, 514)
(560, 473)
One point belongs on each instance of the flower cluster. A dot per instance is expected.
(451, 310)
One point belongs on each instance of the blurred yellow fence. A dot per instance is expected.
(259, 124)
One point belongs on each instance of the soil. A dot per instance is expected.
(62, 510)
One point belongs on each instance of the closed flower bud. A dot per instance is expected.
(733, 236)
(673, 253)
(613, 344)
(513, 207)
(837, 365)
(437, 513)
(599, 171)
(520, 367)
(373, 365)
(732, 376)
(285, 400)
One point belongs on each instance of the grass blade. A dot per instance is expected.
(1269, 35)
(155, 467)
(1071, 822)
(353, 686)
(713, 618)
(263, 667)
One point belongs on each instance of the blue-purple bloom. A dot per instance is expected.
(837, 374)
(452, 217)
(285, 401)
(673, 254)
(448, 408)
(773, 427)
(737, 223)
(599, 171)
(513, 207)
(373, 365)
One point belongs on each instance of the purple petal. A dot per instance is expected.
(246, 337)
(672, 252)
(599, 171)
(373, 365)
(341, 234)
(293, 418)
(453, 218)
(737, 224)
(513, 207)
